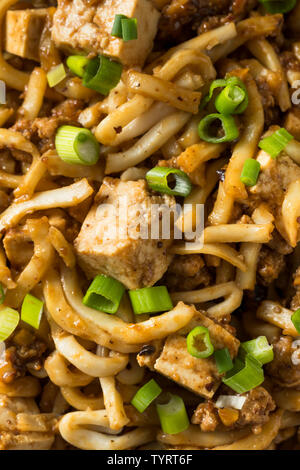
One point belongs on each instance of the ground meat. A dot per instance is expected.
(257, 407)
(270, 264)
(289, 61)
(279, 244)
(41, 131)
(183, 19)
(206, 416)
(295, 302)
(22, 349)
(281, 369)
(186, 273)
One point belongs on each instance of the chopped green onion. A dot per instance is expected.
(250, 172)
(77, 145)
(2, 294)
(173, 416)
(275, 143)
(117, 26)
(220, 83)
(31, 311)
(259, 348)
(296, 320)
(233, 99)
(77, 64)
(104, 294)
(198, 343)
(150, 300)
(9, 320)
(169, 181)
(230, 130)
(278, 6)
(56, 75)
(245, 375)
(146, 395)
(223, 360)
(102, 74)
(129, 29)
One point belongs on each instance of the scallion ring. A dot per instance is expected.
(233, 99)
(77, 145)
(56, 75)
(250, 172)
(146, 395)
(223, 360)
(150, 300)
(172, 415)
(259, 348)
(198, 343)
(104, 294)
(117, 26)
(129, 29)
(229, 129)
(9, 319)
(102, 74)
(77, 64)
(276, 143)
(245, 375)
(169, 181)
(31, 311)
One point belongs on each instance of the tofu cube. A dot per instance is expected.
(23, 29)
(110, 241)
(79, 26)
(198, 375)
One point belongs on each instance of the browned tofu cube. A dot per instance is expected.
(23, 29)
(122, 253)
(198, 375)
(82, 26)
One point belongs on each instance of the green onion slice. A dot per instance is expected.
(233, 99)
(198, 343)
(150, 300)
(129, 29)
(77, 64)
(169, 181)
(56, 75)
(172, 415)
(278, 6)
(245, 375)
(209, 134)
(77, 145)
(104, 294)
(275, 143)
(259, 348)
(250, 172)
(9, 319)
(2, 294)
(146, 395)
(223, 360)
(296, 320)
(32, 310)
(102, 74)
(220, 83)
(117, 26)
